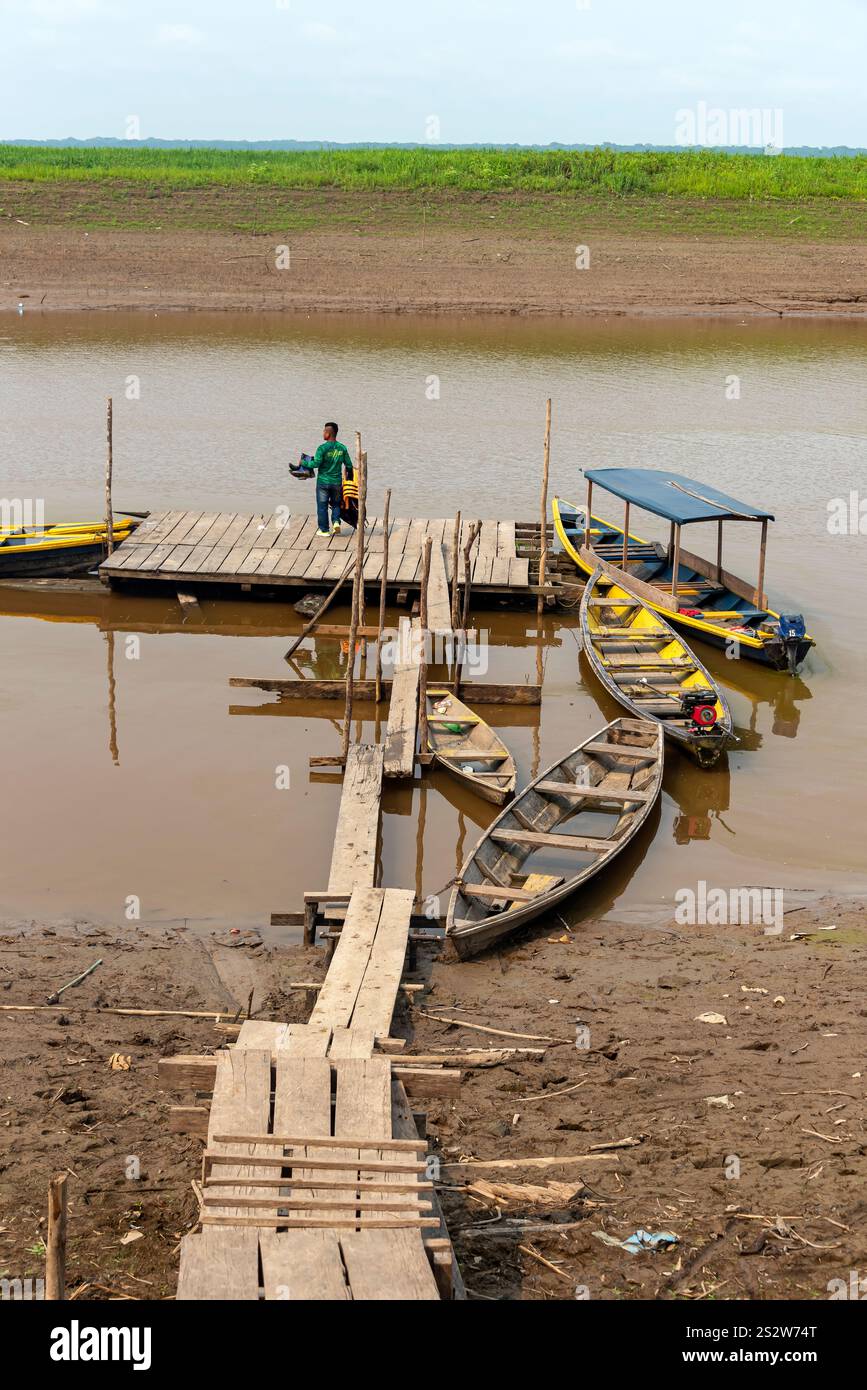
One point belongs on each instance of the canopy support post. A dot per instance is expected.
(675, 566)
(589, 511)
(719, 527)
(625, 536)
(759, 600)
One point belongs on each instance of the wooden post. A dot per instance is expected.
(719, 527)
(465, 620)
(357, 586)
(543, 533)
(109, 517)
(456, 543)
(359, 469)
(626, 536)
(675, 565)
(382, 584)
(422, 617)
(759, 599)
(587, 519)
(55, 1247)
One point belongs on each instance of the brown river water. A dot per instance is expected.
(149, 776)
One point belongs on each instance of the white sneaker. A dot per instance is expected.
(335, 528)
(323, 533)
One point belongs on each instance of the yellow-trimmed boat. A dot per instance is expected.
(697, 596)
(640, 660)
(67, 548)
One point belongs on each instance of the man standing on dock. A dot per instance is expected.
(329, 461)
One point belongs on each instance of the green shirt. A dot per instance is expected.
(329, 461)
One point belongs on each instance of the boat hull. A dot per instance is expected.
(31, 562)
(704, 747)
(495, 780)
(767, 651)
(468, 937)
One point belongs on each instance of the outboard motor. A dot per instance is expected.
(699, 705)
(792, 630)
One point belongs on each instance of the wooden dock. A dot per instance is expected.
(189, 548)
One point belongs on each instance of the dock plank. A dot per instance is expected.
(218, 528)
(228, 1267)
(402, 726)
(378, 993)
(380, 1264)
(356, 837)
(336, 1000)
(439, 619)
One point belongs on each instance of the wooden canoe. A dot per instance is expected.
(642, 662)
(468, 748)
(584, 808)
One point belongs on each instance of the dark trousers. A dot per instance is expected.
(328, 495)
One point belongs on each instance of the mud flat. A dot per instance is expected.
(778, 1087)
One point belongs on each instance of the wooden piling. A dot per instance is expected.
(109, 515)
(456, 544)
(55, 1245)
(424, 637)
(382, 585)
(357, 587)
(543, 529)
(465, 621)
(360, 468)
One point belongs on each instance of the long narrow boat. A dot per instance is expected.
(36, 552)
(642, 662)
(696, 595)
(582, 811)
(468, 748)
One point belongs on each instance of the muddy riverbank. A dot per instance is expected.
(745, 1139)
(71, 247)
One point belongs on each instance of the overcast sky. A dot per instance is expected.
(487, 70)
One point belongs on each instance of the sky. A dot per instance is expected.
(457, 71)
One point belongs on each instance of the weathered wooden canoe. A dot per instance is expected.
(642, 662)
(572, 821)
(468, 748)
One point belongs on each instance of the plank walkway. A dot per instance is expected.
(322, 1194)
(360, 1234)
(191, 548)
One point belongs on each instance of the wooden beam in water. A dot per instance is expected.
(474, 692)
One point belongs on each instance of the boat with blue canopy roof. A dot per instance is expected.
(697, 595)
